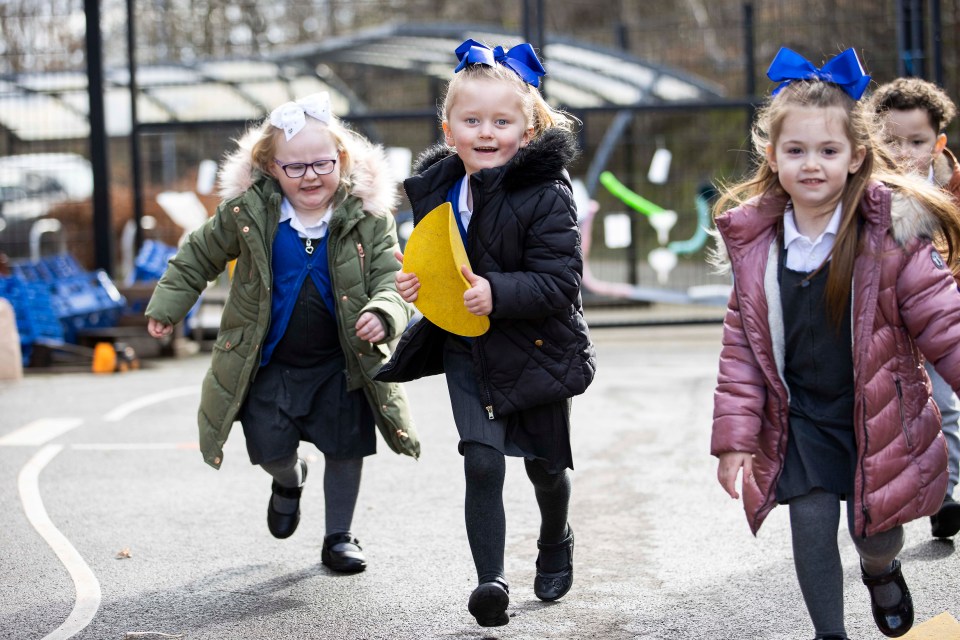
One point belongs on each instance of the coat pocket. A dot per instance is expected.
(227, 360)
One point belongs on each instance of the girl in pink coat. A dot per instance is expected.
(839, 295)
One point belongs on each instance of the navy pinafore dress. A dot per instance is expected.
(821, 445)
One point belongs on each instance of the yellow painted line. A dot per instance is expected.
(126, 409)
(941, 627)
(85, 582)
(39, 432)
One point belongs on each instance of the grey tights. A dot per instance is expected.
(484, 470)
(341, 486)
(814, 520)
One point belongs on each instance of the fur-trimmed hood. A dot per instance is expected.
(545, 158)
(907, 220)
(370, 180)
(946, 172)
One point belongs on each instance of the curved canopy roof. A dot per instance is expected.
(50, 106)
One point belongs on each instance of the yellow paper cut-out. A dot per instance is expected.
(435, 252)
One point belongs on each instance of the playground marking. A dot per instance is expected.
(86, 583)
(137, 446)
(39, 432)
(941, 627)
(126, 409)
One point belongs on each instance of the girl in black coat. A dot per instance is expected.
(503, 171)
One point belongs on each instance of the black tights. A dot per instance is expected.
(484, 470)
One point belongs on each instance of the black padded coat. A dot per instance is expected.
(523, 238)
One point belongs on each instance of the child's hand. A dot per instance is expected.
(478, 298)
(158, 329)
(407, 283)
(370, 327)
(729, 467)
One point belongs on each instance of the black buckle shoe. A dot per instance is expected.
(488, 603)
(553, 586)
(342, 552)
(892, 621)
(946, 522)
(282, 525)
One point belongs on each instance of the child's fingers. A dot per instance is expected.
(398, 255)
(727, 471)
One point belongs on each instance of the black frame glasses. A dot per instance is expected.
(299, 169)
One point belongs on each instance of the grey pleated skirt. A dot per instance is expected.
(539, 433)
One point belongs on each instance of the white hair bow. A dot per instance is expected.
(292, 116)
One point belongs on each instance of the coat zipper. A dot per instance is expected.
(903, 422)
(361, 255)
(484, 390)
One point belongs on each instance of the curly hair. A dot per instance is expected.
(906, 94)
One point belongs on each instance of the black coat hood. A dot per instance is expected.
(545, 158)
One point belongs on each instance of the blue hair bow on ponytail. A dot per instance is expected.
(520, 59)
(843, 70)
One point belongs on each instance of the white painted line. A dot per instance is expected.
(39, 432)
(136, 446)
(85, 582)
(124, 410)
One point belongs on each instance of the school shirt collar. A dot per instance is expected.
(464, 212)
(791, 233)
(287, 212)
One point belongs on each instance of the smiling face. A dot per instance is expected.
(485, 124)
(812, 158)
(310, 194)
(911, 139)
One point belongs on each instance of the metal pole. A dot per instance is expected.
(99, 148)
(936, 34)
(136, 170)
(750, 64)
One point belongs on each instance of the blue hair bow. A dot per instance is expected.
(521, 59)
(843, 70)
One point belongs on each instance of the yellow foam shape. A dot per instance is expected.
(941, 627)
(435, 252)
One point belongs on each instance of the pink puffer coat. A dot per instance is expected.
(905, 306)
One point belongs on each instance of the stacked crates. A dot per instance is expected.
(152, 260)
(54, 298)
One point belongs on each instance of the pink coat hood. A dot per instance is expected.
(905, 308)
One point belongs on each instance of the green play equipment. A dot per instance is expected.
(630, 198)
(638, 203)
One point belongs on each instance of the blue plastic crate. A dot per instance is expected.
(34, 307)
(151, 261)
(88, 301)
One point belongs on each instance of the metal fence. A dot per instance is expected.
(705, 141)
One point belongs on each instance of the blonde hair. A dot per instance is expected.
(264, 150)
(862, 129)
(538, 114)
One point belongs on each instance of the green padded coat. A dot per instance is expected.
(362, 238)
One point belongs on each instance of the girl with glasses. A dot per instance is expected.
(311, 316)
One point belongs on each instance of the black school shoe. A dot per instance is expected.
(553, 586)
(342, 552)
(896, 620)
(282, 525)
(946, 522)
(488, 603)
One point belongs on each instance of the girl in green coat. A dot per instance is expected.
(311, 315)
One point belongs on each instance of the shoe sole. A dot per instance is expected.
(488, 604)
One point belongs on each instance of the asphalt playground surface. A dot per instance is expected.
(112, 527)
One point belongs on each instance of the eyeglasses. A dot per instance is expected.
(299, 169)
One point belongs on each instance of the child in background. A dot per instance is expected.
(504, 172)
(312, 311)
(915, 114)
(838, 289)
